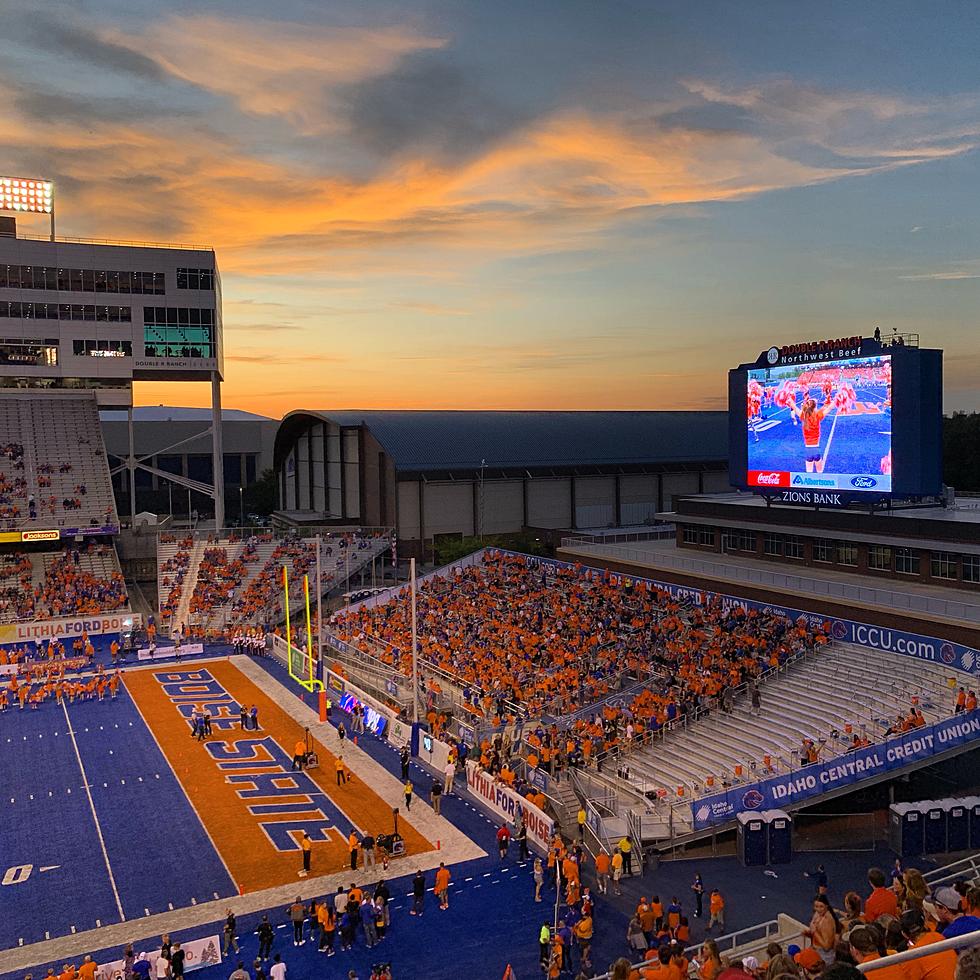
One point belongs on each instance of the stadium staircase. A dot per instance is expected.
(828, 697)
(56, 432)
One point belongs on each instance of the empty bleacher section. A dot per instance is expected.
(838, 700)
(209, 585)
(53, 467)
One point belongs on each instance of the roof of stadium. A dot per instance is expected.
(421, 440)
(172, 413)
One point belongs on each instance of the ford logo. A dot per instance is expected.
(863, 482)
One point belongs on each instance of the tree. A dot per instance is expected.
(961, 451)
(262, 497)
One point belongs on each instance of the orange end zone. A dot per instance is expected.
(239, 782)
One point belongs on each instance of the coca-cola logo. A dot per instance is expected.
(769, 479)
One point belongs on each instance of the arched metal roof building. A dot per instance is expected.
(433, 473)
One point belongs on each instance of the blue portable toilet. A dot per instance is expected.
(972, 804)
(934, 827)
(957, 825)
(780, 829)
(753, 840)
(905, 834)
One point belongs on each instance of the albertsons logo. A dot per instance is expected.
(797, 480)
(863, 482)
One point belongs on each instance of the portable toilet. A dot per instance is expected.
(934, 827)
(753, 840)
(957, 825)
(905, 822)
(972, 804)
(780, 829)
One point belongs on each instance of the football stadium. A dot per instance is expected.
(657, 752)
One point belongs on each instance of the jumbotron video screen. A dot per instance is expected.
(824, 426)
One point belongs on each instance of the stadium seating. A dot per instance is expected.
(828, 698)
(52, 456)
(66, 582)
(210, 585)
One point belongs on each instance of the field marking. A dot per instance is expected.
(833, 427)
(95, 816)
(214, 846)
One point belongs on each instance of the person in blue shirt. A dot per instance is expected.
(952, 922)
(141, 968)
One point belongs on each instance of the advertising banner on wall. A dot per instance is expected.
(779, 792)
(505, 802)
(198, 953)
(62, 629)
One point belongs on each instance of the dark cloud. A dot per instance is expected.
(59, 107)
(65, 37)
(428, 104)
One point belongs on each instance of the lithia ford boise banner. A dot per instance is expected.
(954, 655)
(811, 781)
(60, 629)
(505, 802)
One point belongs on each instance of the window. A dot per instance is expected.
(971, 568)
(179, 332)
(102, 348)
(823, 550)
(690, 535)
(847, 554)
(907, 561)
(195, 279)
(706, 536)
(772, 544)
(943, 564)
(80, 280)
(880, 557)
(33, 353)
(793, 547)
(66, 311)
(741, 540)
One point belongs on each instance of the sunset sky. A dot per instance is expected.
(523, 205)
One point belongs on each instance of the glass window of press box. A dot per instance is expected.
(178, 332)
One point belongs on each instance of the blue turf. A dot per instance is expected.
(147, 823)
(492, 920)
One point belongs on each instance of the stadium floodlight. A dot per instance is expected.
(27, 195)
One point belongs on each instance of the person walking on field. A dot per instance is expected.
(442, 886)
(698, 889)
(716, 907)
(436, 796)
(418, 893)
(408, 794)
(404, 758)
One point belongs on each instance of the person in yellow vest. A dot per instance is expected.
(354, 844)
(581, 823)
(299, 754)
(341, 771)
(307, 845)
(626, 849)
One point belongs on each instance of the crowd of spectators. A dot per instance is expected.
(530, 642)
(66, 589)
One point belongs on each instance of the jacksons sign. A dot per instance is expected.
(811, 781)
(929, 648)
(503, 801)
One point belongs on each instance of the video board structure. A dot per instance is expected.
(832, 422)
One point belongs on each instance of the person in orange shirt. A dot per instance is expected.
(87, 970)
(662, 968)
(442, 886)
(864, 949)
(938, 966)
(882, 900)
(716, 910)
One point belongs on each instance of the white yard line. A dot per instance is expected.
(187, 796)
(95, 816)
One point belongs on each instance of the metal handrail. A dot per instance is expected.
(109, 241)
